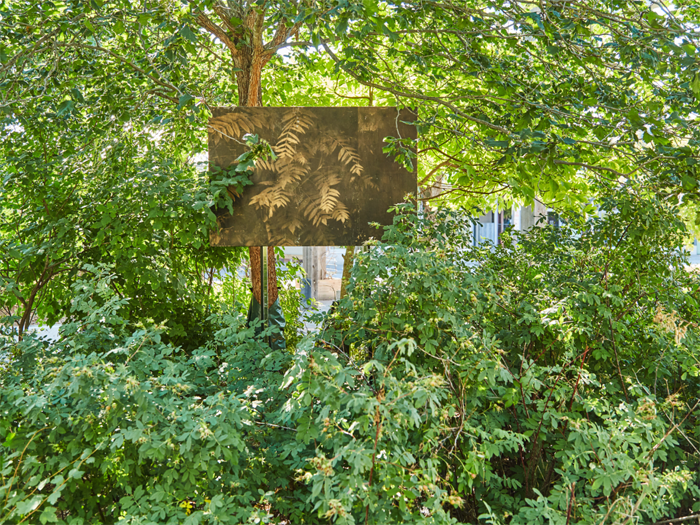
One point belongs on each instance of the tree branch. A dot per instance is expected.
(674, 427)
(447, 163)
(121, 59)
(216, 30)
(416, 96)
(675, 520)
(219, 10)
(593, 167)
(43, 39)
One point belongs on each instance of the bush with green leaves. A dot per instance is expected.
(107, 425)
(139, 204)
(551, 379)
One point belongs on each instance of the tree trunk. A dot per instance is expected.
(250, 54)
(256, 278)
(348, 260)
(250, 94)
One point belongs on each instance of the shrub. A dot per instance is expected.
(551, 379)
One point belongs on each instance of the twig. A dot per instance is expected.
(684, 518)
(434, 170)
(19, 462)
(572, 500)
(121, 59)
(378, 421)
(55, 489)
(273, 425)
(654, 449)
(617, 360)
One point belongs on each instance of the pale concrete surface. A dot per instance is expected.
(328, 289)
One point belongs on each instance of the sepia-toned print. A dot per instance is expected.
(329, 181)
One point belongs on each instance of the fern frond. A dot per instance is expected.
(298, 118)
(284, 149)
(271, 199)
(280, 200)
(295, 124)
(356, 170)
(329, 198)
(321, 177)
(226, 126)
(293, 225)
(265, 164)
(348, 156)
(315, 213)
(292, 175)
(340, 213)
(262, 199)
(235, 124)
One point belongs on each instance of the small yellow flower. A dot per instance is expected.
(187, 505)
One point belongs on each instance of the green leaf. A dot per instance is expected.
(48, 515)
(184, 99)
(371, 7)
(247, 165)
(65, 108)
(695, 85)
(77, 95)
(689, 49)
(28, 505)
(187, 33)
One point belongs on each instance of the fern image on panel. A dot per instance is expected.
(314, 189)
(306, 172)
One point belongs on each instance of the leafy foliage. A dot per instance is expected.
(136, 205)
(551, 379)
(506, 90)
(509, 91)
(118, 418)
(111, 425)
(544, 384)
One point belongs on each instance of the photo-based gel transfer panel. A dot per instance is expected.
(329, 181)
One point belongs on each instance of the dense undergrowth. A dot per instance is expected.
(553, 379)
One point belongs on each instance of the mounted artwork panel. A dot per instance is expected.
(330, 180)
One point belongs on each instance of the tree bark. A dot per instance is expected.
(252, 84)
(348, 260)
(250, 55)
(249, 80)
(256, 278)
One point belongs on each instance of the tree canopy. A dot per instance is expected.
(517, 100)
(507, 90)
